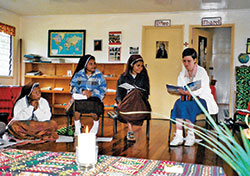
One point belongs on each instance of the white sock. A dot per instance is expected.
(78, 126)
(179, 133)
(95, 127)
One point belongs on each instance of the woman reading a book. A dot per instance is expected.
(134, 96)
(185, 107)
(32, 116)
(89, 82)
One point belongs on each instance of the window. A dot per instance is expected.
(6, 56)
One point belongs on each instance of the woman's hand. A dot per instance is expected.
(34, 103)
(87, 93)
(183, 92)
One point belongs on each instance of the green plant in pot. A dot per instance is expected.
(220, 141)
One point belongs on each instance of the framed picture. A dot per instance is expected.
(133, 50)
(202, 51)
(248, 46)
(163, 23)
(161, 49)
(66, 43)
(97, 45)
(115, 53)
(115, 38)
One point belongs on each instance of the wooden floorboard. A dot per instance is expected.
(156, 147)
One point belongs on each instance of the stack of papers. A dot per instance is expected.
(79, 96)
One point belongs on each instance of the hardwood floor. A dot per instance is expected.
(156, 148)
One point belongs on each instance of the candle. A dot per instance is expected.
(86, 149)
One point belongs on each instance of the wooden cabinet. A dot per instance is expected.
(54, 75)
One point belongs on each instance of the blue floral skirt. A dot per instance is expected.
(187, 110)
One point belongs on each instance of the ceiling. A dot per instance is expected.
(67, 7)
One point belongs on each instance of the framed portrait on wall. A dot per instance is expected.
(115, 38)
(115, 53)
(248, 46)
(162, 49)
(66, 43)
(202, 51)
(97, 45)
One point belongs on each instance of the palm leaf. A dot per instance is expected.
(227, 147)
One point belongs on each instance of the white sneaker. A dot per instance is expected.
(178, 140)
(190, 140)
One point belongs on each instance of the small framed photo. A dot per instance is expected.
(97, 45)
(163, 23)
(133, 50)
(115, 38)
(248, 46)
(115, 53)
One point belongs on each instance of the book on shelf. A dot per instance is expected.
(46, 88)
(59, 88)
(174, 89)
(33, 73)
(111, 90)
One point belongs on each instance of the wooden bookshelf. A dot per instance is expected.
(55, 75)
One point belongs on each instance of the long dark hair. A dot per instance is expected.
(82, 63)
(24, 91)
(133, 59)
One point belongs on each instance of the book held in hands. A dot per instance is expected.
(174, 89)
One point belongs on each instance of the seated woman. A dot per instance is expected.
(133, 99)
(186, 108)
(88, 81)
(32, 116)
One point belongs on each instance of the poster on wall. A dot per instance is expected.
(162, 49)
(66, 43)
(115, 53)
(97, 45)
(202, 51)
(133, 50)
(115, 38)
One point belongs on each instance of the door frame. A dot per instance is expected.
(232, 94)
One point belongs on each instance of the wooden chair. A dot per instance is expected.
(240, 123)
(85, 113)
(115, 117)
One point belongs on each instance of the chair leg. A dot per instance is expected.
(206, 125)
(102, 124)
(114, 127)
(169, 133)
(68, 121)
(148, 129)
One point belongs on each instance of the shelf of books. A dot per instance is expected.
(54, 79)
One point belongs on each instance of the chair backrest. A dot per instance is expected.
(213, 91)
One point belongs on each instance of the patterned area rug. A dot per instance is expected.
(28, 162)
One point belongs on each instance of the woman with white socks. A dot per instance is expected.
(185, 107)
(89, 81)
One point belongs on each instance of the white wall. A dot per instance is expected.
(12, 19)
(34, 29)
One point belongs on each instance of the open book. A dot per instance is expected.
(128, 86)
(174, 89)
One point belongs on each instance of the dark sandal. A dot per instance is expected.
(131, 136)
(112, 115)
